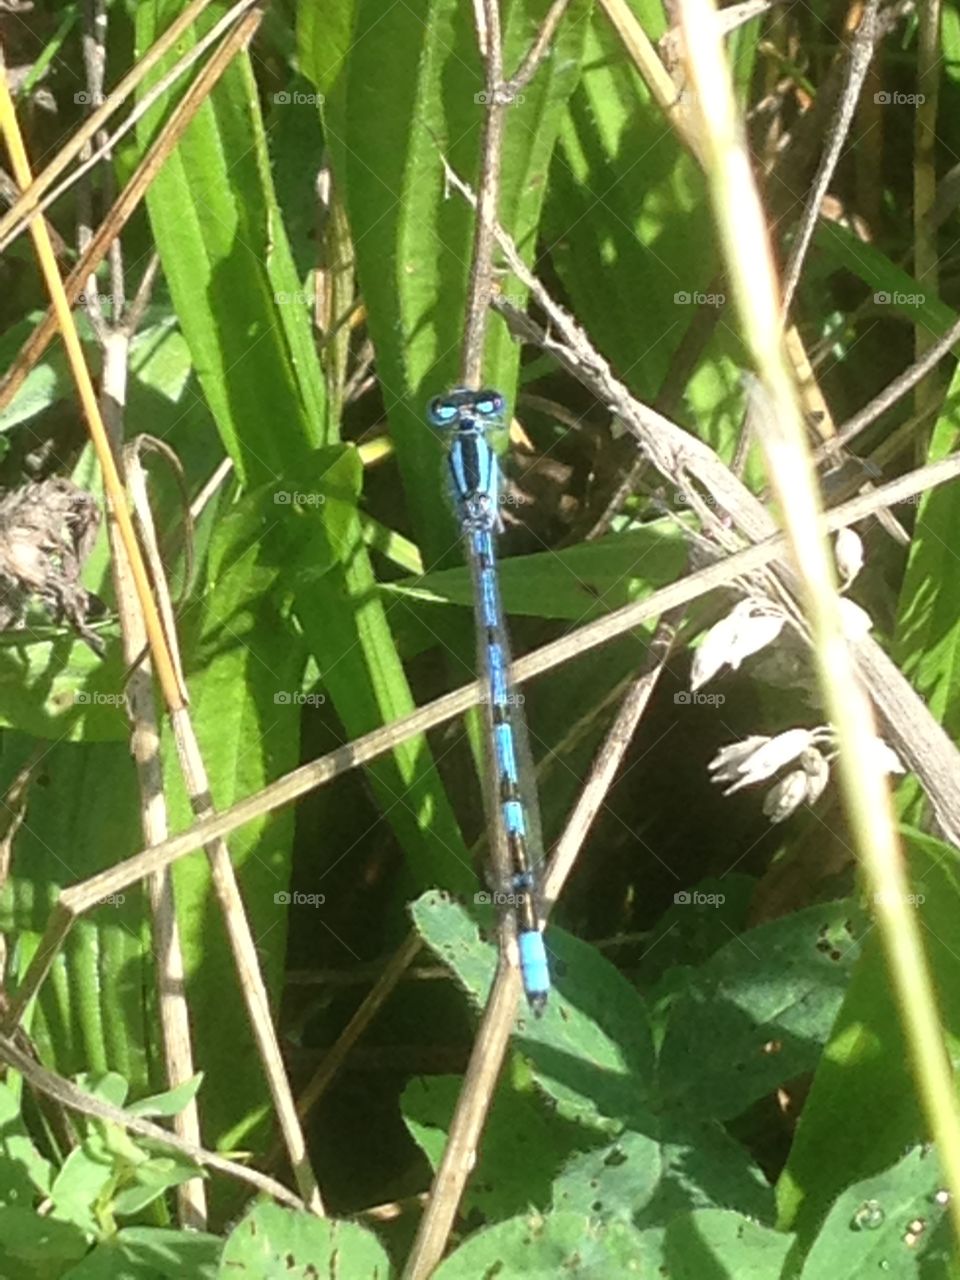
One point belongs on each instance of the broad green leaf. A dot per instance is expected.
(721, 1245)
(82, 817)
(169, 1103)
(523, 1144)
(612, 1036)
(927, 637)
(271, 1241)
(405, 98)
(626, 216)
(23, 1170)
(893, 287)
(228, 265)
(151, 1253)
(576, 583)
(36, 1248)
(78, 1185)
(868, 1229)
(770, 997)
(153, 1179)
(348, 631)
(673, 1166)
(864, 1074)
(542, 1247)
(244, 659)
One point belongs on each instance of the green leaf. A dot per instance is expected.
(36, 1248)
(770, 997)
(523, 1145)
(153, 1178)
(82, 816)
(76, 1188)
(404, 97)
(677, 1164)
(927, 636)
(149, 1253)
(612, 1035)
(576, 583)
(243, 658)
(893, 287)
(544, 1247)
(227, 262)
(347, 628)
(169, 1103)
(721, 1245)
(625, 216)
(864, 1074)
(271, 1241)
(868, 1230)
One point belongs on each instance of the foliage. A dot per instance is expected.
(720, 1088)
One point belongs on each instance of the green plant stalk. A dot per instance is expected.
(752, 276)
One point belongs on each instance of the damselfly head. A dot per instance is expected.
(462, 402)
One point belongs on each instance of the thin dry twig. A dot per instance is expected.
(129, 199)
(69, 1095)
(31, 198)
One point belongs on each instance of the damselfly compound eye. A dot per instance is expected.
(441, 411)
(488, 403)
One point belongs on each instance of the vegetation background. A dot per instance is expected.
(721, 1087)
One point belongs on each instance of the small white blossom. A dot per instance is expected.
(785, 796)
(848, 550)
(817, 769)
(760, 761)
(749, 627)
(885, 758)
(725, 765)
(856, 622)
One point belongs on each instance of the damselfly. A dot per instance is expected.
(510, 796)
